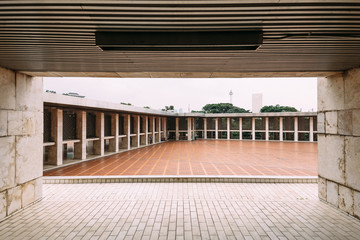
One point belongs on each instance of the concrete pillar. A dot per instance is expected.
(146, 130)
(240, 128)
(165, 128)
(177, 134)
(216, 128)
(80, 147)
(281, 128)
(253, 128)
(114, 143)
(267, 129)
(153, 123)
(159, 126)
(189, 129)
(228, 127)
(339, 140)
(21, 141)
(311, 123)
(296, 127)
(193, 128)
(125, 141)
(56, 151)
(205, 128)
(99, 146)
(143, 137)
(136, 138)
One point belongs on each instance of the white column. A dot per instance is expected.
(267, 129)
(114, 143)
(296, 133)
(177, 129)
(240, 128)
(137, 125)
(205, 128)
(189, 129)
(159, 125)
(228, 127)
(281, 129)
(80, 148)
(99, 146)
(216, 128)
(253, 128)
(153, 129)
(311, 137)
(146, 130)
(165, 128)
(55, 152)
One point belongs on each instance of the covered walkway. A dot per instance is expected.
(204, 157)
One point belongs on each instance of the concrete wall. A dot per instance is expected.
(21, 137)
(339, 140)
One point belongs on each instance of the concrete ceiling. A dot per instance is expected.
(301, 38)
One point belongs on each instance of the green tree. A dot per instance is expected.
(223, 108)
(168, 108)
(278, 108)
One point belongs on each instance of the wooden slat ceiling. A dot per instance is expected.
(299, 36)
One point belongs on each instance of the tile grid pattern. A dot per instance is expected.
(180, 211)
(203, 157)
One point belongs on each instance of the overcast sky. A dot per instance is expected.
(158, 92)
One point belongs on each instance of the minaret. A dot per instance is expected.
(230, 94)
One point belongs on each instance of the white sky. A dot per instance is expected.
(159, 92)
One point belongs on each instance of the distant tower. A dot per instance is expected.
(230, 94)
(256, 102)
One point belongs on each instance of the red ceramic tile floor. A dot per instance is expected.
(204, 157)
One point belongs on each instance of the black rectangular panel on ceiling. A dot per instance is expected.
(178, 41)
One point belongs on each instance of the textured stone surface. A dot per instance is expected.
(357, 204)
(28, 93)
(3, 123)
(321, 123)
(28, 123)
(14, 122)
(332, 193)
(331, 122)
(38, 188)
(331, 158)
(7, 162)
(346, 199)
(345, 125)
(39, 123)
(352, 158)
(7, 89)
(322, 188)
(352, 88)
(331, 93)
(13, 199)
(28, 193)
(2, 204)
(28, 158)
(356, 122)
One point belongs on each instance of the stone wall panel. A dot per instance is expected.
(332, 193)
(14, 123)
(357, 204)
(356, 122)
(3, 122)
(7, 89)
(331, 122)
(7, 162)
(28, 93)
(13, 199)
(346, 200)
(3, 204)
(345, 125)
(28, 158)
(331, 157)
(322, 188)
(331, 93)
(321, 123)
(352, 88)
(352, 159)
(28, 193)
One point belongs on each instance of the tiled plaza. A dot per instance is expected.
(180, 211)
(204, 157)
